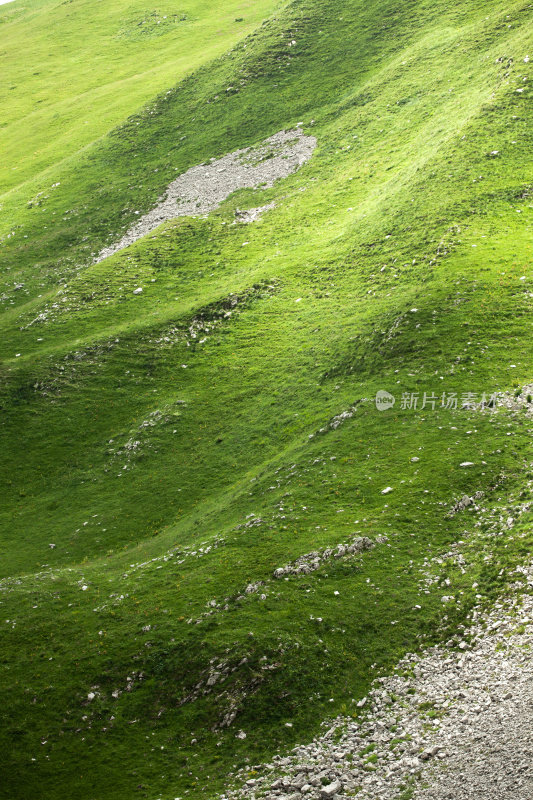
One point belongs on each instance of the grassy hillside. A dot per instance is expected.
(150, 477)
(88, 65)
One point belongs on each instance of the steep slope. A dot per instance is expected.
(91, 64)
(166, 452)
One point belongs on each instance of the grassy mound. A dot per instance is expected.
(165, 452)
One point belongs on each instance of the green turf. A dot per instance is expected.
(73, 70)
(398, 258)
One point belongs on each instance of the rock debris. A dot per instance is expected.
(202, 189)
(451, 723)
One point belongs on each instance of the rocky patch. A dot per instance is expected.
(304, 565)
(202, 189)
(465, 502)
(457, 717)
(314, 560)
(252, 214)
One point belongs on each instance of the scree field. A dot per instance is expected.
(165, 451)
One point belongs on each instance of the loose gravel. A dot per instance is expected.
(451, 723)
(202, 189)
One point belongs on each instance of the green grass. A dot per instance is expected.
(91, 64)
(402, 207)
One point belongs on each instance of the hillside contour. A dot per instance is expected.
(266, 392)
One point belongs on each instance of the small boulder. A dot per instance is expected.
(330, 790)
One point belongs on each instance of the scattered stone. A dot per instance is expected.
(339, 419)
(252, 214)
(465, 502)
(313, 561)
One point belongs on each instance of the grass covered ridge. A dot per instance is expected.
(170, 471)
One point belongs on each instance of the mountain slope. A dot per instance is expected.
(164, 477)
(91, 65)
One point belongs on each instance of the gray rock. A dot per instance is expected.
(330, 790)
